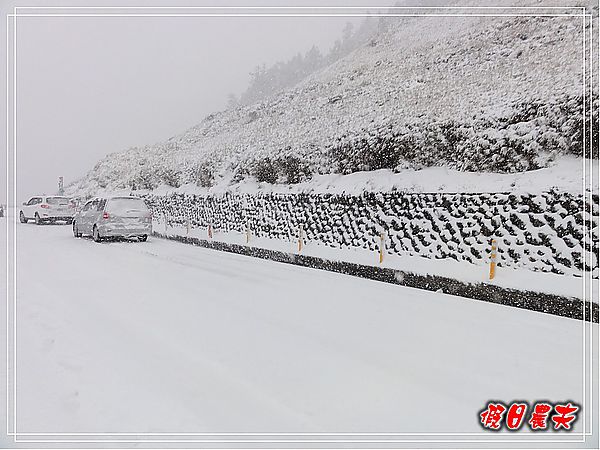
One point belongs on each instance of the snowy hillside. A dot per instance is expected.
(481, 94)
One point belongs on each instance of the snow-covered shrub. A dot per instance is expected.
(288, 169)
(169, 176)
(265, 170)
(144, 179)
(292, 170)
(578, 127)
(202, 175)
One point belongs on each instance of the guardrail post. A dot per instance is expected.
(300, 238)
(247, 232)
(381, 247)
(209, 231)
(493, 259)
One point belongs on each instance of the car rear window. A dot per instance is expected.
(63, 201)
(124, 205)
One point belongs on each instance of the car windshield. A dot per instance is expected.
(125, 205)
(64, 201)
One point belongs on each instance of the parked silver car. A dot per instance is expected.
(125, 217)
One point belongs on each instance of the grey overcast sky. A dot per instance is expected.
(89, 86)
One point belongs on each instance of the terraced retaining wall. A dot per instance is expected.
(546, 232)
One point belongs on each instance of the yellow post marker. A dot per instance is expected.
(247, 232)
(493, 259)
(300, 238)
(209, 231)
(381, 247)
(187, 225)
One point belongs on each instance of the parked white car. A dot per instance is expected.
(44, 209)
(114, 217)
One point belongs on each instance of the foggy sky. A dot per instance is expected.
(89, 86)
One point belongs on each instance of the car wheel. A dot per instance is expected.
(22, 217)
(143, 238)
(76, 232)
(38, 221)
(96, 234)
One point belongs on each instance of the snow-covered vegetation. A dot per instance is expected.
(493, 94)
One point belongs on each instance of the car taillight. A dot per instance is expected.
(45, 206)
(105, 215)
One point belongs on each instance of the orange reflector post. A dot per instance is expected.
(493, 259)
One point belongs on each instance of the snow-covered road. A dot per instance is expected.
(160, 336)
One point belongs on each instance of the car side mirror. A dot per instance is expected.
(24, 203)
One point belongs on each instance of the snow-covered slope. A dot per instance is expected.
(500, 94)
